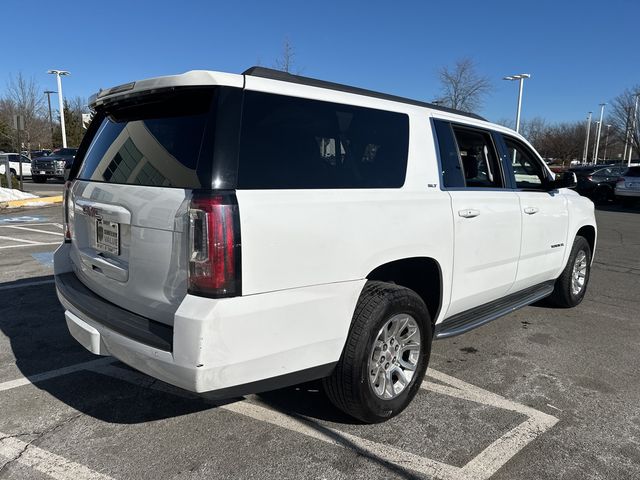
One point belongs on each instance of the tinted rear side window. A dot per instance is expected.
(295, 143)
(155, 142)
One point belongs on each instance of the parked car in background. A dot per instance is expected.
(39, 153)
(597, 181)
(56, 165)
(628, 186)
(14, 164)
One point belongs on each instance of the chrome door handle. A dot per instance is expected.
(531, 210)
(468, 213)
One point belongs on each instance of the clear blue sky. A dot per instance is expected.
(579, 53)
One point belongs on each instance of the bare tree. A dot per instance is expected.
(287, 60)
(462, 87)
(24, 97)
(622, 121)
(534, 129)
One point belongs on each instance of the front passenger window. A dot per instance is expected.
(528, 172)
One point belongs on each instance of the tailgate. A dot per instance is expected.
(129, 201)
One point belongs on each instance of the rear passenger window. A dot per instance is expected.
(289, 142)
(478, 158)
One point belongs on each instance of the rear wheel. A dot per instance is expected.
(386, 355)
(571, 285)
(627, 201)
(602, 195)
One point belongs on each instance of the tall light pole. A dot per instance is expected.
(520, 77)
(606, 143)
(586, 140)
(595, 152)
(48, 94)
(58, 74)
(633, 127)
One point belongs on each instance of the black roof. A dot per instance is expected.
(313, 82)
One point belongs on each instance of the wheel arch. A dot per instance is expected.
(423, 275)
(588, 232)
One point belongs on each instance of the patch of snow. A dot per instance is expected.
(7, 194)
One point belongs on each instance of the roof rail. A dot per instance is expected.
(313, 82)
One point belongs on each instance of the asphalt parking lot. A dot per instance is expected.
(539, 394)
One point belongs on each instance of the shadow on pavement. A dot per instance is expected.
(33, 320)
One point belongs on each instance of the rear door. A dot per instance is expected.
(486, 216)
(545, 216)
(129, 200)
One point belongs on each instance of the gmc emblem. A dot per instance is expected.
(91, 211)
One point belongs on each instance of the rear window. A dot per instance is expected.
(633, 172)
(294, 143)
(154, 141)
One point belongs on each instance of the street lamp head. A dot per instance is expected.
(58, 72)
(47, 92)
(518, 76)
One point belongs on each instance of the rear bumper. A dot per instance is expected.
(229, 346)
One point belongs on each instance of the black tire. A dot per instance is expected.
(627, 201)
(563, 294)
(349, 387)
(37, 179)
(13, 172)
(601, 195)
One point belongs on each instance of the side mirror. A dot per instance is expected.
(564, 180)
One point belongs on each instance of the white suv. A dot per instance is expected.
(238, 233)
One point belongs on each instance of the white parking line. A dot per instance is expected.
(40, 377)
(13, 239)
(31, 229)
(32, 244)
(481, 467)
(43, 461)
(492, 458)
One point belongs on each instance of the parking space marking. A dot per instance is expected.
(481, 467)
(13, 239)
(26, 245)
(492, 458)
(55, 466)
(31, 229)
(40, 377)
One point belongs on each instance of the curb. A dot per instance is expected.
(26, 202)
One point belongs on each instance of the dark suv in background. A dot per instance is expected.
(598, 181)
(56, 165)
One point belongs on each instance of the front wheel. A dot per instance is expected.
(571, 285)
(386, 355)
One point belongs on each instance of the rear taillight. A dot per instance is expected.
(66, 201)
(214, 245)
(589, 177)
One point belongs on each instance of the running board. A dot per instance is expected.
(475, 317)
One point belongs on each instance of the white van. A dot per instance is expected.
(237, 233)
